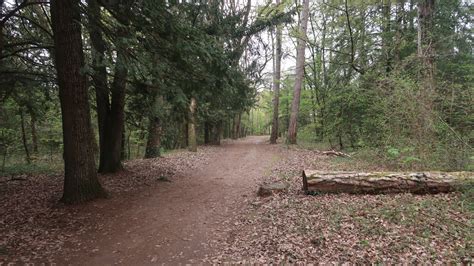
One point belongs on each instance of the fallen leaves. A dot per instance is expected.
(288, 227)
(295, 228)
(35, 227)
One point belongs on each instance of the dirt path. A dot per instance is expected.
(180, 221)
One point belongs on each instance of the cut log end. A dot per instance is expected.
(383, 182)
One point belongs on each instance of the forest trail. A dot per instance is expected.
(180, 221)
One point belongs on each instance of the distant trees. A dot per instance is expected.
(389, 77)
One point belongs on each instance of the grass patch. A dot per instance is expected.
(34, 168)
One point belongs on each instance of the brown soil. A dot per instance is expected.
(179, 221)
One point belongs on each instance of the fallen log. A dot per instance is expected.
(334, 153)
(384, 182)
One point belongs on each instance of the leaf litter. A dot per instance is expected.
(34, 227)
(337, 228)
(287, 227)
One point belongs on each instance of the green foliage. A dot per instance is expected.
(361, 92)
(376, 98)
(467, 196)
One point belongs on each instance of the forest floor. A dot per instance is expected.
(203, 207)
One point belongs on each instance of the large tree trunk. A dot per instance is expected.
(99, 75)
(276, 84)
(80, 176)
(383, 182)
(299, 75)
(111, 155)
(192, 142)
(110, 112)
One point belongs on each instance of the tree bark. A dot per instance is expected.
(236, 126)
(207, 132)
(110, 101)
(386, 35)
(111, 154)
(123, 153)
(192, 142)
(425, 42)
(400, 11)
(426, 52)
(276, 84)
(214, 132)
(99, 75)
(80, 176)
(153, 143)
(383, 182)
(299, 75)
(34, 135)
(23, 136)
(218, 133)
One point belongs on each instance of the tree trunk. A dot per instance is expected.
(123, 153)
(80, 176)
(153, 143)
(214, 133)
(110, 112)
(400, 11)
(207, 132)
(99, 75)
(276, 84)
(386, 35)
(192, 142)
(299, 75)
(185, 133)
(34, 135)
(236, 126)
(425, 43)
(111, 154)
(129, 149)
(426, 55)
(23, 136)
(383, 182)
(218, 133)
